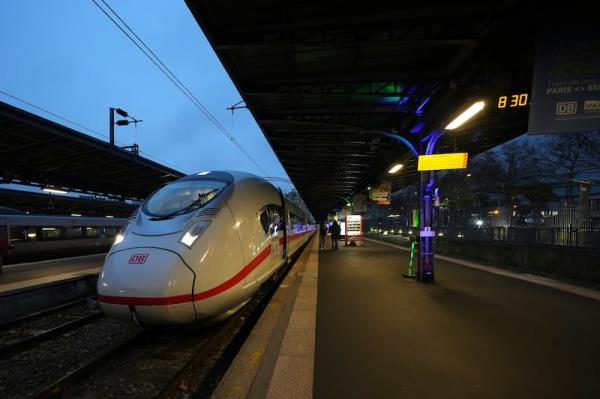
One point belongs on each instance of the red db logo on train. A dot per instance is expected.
(138, 259)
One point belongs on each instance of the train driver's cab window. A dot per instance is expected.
(182, 197)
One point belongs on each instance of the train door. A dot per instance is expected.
(283, 239)
(270, 217)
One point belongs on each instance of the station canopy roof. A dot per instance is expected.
(327, 81)
(39, 152)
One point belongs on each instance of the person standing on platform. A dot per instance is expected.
(323, 234)
(335, 234)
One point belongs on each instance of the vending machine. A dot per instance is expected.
(354, 230)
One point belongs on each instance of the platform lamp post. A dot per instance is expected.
(425, 271)
(122, 122)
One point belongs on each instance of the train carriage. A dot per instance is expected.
(199, 248)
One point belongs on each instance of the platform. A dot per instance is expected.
(378, 335)
(23, 275)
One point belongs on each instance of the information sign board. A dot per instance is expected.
(455, 160)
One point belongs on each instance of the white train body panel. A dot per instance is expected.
(155, 276)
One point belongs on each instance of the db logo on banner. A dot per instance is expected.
(566, 108)
(137, 259)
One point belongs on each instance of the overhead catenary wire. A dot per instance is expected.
(139, 43)
(53, 114)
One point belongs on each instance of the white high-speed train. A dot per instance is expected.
(199, 248)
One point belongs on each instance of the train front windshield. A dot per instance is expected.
(182, 197)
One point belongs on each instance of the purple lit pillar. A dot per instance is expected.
(425, 272)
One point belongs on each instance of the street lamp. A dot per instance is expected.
(122, 122)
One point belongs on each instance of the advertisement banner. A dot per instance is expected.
(566, 80)
(382, 194)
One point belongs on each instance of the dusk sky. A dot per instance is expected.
(67, 57)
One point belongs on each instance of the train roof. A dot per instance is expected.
(45, 220)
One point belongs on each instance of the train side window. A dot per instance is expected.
(18, 233)
(110, 232)
(275, 212)
(92, 232)
(73, 232)
(50, 233)
(296, 222)
(264, 219)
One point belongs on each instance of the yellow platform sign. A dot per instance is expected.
(455, 160)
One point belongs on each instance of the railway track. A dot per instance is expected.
(109, 358)
(164, 362)
(45, 346)
(38, 336)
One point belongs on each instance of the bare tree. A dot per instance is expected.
(570, 154)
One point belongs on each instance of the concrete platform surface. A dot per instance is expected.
(277, 359)
(472, 334)
(24, 275)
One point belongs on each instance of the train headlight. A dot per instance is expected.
(121, 236)
(190, 236)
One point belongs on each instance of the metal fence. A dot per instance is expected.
(562, 236)
(563, 227)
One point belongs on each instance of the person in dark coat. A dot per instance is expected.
(335, 234)
(322, 234)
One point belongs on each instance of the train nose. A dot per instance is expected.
(148, 285)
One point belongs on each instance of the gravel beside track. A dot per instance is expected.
(28, 371)
(41, 323)
(145, 368)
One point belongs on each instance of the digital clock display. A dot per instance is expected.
(513, 101)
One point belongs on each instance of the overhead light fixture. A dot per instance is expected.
(76, 214)
(53, 190)
(368, 188)
(109, 216)
(395, 168)
(203, 173)
(465, 116)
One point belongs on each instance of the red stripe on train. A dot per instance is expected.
(174, 300)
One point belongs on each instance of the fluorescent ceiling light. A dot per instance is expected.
(109, 216)
(53, 190)
(76, 214)
(396, 168)
(465, 116)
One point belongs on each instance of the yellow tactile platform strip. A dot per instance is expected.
(277, 359)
